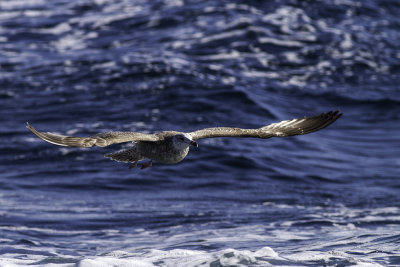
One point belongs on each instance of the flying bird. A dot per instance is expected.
(171, 147)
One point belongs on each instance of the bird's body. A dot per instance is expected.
(171, 147)
(161, 151)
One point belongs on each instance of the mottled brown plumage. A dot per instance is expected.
(171, 147)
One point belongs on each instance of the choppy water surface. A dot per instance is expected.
(81, 67)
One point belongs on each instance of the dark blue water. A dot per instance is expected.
(331, 198)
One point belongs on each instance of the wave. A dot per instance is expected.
(185, 257)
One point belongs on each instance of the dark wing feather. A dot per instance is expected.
(302, 125)
(284, 128)
(102, 140)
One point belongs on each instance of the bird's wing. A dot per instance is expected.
(292, 127)
(102, 139)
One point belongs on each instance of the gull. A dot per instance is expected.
(170, 147)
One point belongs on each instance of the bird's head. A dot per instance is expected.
(183, 141)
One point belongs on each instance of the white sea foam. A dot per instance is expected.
(264, 256)
(14, 4)
(274, 41)
(74, 41)
(113, 262)
(184, 257)
(247, 245)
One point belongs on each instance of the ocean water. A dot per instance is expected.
(331, 198)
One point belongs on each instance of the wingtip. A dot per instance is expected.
(29, 126)
(338, 114)
(334, 114)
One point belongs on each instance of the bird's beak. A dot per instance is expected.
(194, 143)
